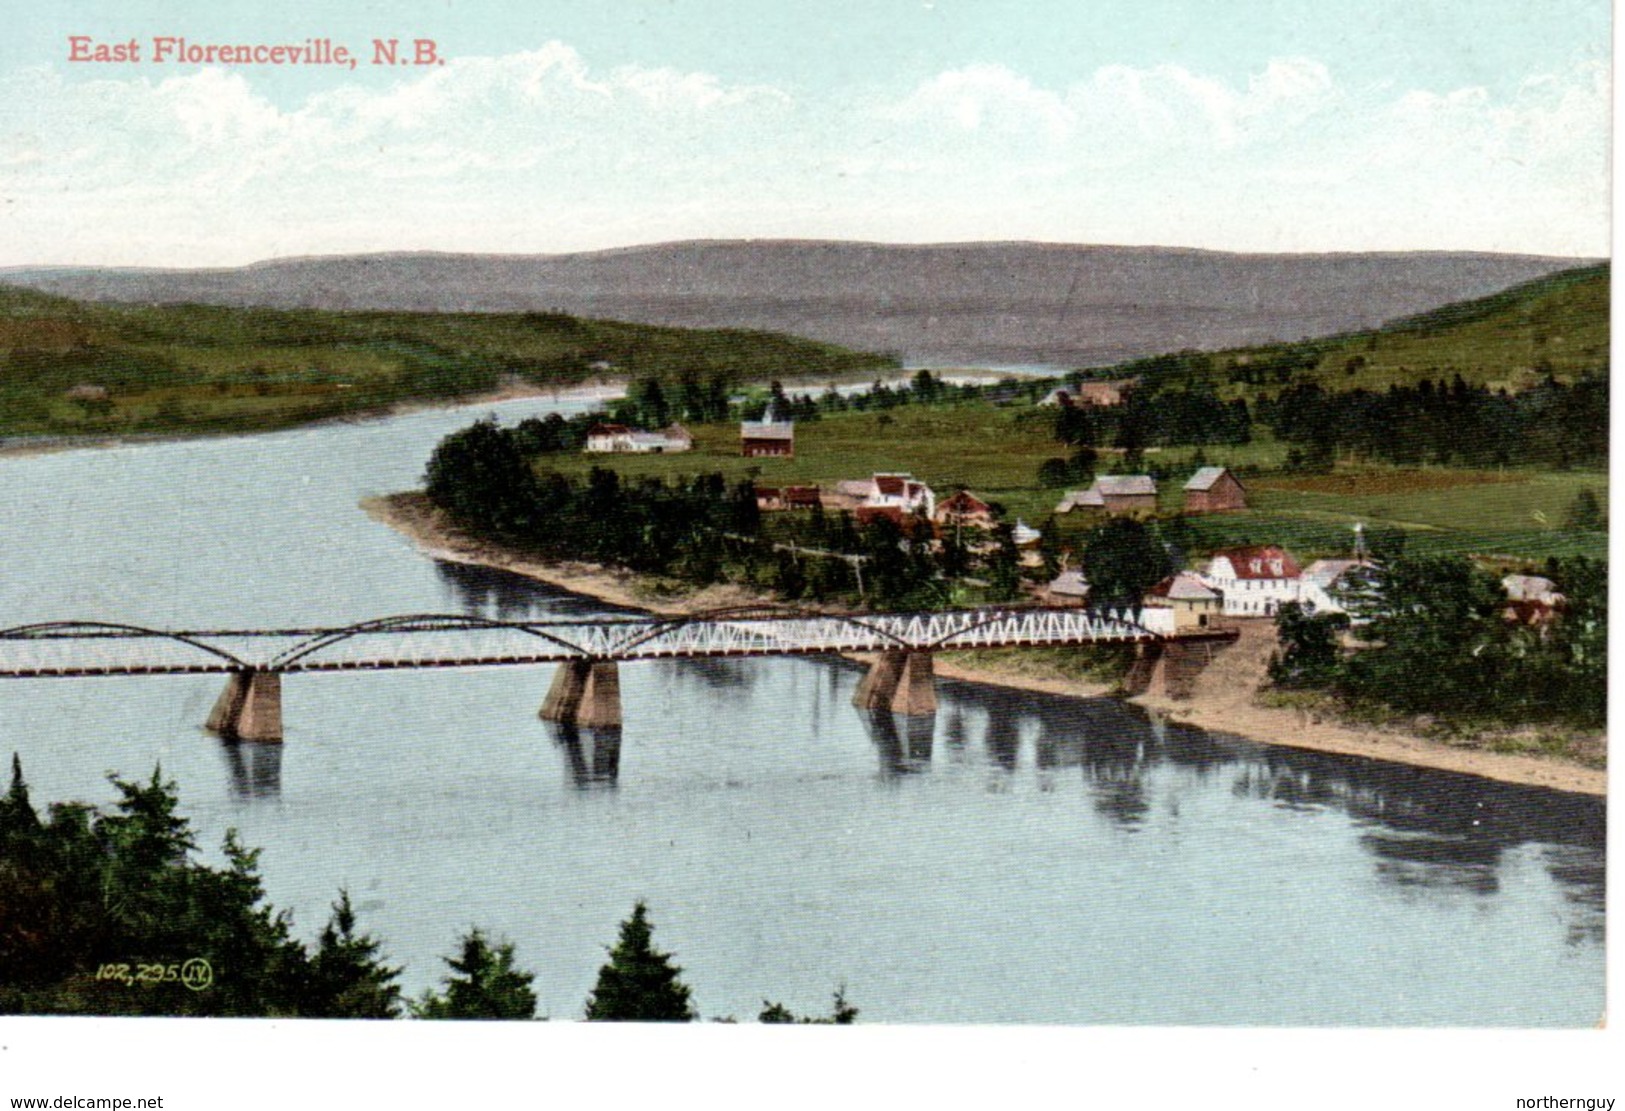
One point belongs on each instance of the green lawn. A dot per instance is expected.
(995, 452)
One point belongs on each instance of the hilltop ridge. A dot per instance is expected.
(982, 303)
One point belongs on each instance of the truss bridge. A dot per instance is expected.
(585, 688)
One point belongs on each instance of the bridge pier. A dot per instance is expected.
(250, 708)
(584, 693)
(899, 681)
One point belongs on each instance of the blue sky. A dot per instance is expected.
(570, 126)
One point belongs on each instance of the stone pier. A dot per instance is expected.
(902, 682)
(250, 708)
(585, 693)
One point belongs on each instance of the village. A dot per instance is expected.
(1227, 584)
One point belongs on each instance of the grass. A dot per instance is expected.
(995, 452)
(1511, 339)
(197, 368)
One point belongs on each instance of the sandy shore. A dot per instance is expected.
(1224, 700)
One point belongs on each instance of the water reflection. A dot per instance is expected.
(699, 676)
(506, 596)
(253, 768)
(592, 755)
(902, 741)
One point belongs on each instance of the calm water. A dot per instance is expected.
(1016, 859)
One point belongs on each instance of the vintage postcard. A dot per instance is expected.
(1078, 520)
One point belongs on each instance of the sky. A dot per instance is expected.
(557, 125)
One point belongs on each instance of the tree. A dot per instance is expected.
(1123, 559)
(17, 817)
(480, 477)
(1443, 640)
(1585, 513)
(1309, 654)
(1004, 565)
(348, 978)
(841, 1013)
(1054, 473)
(639, 983)
(486, 984)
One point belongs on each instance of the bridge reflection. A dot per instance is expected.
(592, 755)
(254, 770)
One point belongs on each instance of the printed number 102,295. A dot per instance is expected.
(195, 973)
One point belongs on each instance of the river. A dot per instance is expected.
(1018, 858)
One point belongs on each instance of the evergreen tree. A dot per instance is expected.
(486, 984)
(841, 1013)
(348, 978)
(639, 983)
(17, 817)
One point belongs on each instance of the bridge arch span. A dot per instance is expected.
(90, 630)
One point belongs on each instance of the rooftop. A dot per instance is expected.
(1183, 586)
(1126, 485)
(1205, 477)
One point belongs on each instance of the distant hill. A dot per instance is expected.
(1557, 324)
(72, 368)
(977, 303)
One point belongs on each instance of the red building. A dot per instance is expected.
(1214, 490)
(767, 438)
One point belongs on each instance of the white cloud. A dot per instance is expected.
(538, 151)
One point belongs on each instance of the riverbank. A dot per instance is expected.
(1225, 699)
(601, 392)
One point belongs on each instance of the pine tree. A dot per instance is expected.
(348, 978)
(841, 1013)
(639, 984)
(487, 985)
(17, 817)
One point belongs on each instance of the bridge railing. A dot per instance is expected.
(456, 640)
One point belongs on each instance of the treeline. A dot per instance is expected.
(1148, 418)
(1446, 423)
(109, 913)
(1435, 639)
(704, 530)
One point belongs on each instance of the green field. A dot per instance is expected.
(995, 452)
(1558, 324)
(194, 368)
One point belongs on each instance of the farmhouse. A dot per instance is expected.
(1214, 490)
(1255, 581)
(903, 492)
(775, 498)
(1069, 588)
(619, 438)
(759, 438)
(608, 437)
(1133, 495)
(1081, 501)
(1103, 394)
(1193, 603)
(964, 509)
(1531, 600)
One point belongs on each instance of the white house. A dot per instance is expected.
(602, 438)
(608, 437)
(1256, 581)
(904, 492)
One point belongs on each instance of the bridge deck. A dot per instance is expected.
(71, 649)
